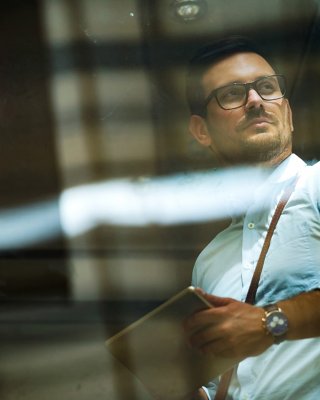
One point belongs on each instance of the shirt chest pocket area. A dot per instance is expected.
(293, 261)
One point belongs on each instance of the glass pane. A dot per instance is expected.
(106, 199)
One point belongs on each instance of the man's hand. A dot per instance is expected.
(230, 329)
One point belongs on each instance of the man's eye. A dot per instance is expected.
(268, 87)
(231, 93)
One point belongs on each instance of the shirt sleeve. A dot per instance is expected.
(211, 388)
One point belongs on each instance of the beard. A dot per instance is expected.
(265, 147)
(263, 144)
(259, 137)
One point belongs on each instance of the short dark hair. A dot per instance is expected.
(204, 58)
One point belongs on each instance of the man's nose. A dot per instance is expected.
(254, 100)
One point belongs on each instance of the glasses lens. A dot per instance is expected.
(231, 96)
(235, 95)
(271, 87)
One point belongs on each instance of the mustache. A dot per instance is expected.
(253, 114)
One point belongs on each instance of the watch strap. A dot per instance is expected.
(271, 307)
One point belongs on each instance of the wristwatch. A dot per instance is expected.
(275, 322)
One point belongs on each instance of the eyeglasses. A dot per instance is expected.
(235, 95)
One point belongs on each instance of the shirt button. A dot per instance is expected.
(250, 225)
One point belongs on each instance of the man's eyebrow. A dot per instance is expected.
(224, 85)
(241, 81)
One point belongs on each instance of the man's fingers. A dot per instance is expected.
(200, 320)
(216, 301)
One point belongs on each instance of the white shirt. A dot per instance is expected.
(290, 370)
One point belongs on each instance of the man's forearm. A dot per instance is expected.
(303, 312)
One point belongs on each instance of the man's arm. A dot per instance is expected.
(234, 329)
(303, 312)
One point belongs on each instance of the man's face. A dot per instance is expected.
(258, 132)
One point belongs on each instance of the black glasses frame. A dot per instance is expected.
(249, 85)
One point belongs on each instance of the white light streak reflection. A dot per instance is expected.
(28, 225)
(178, 199)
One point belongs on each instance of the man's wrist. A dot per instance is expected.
(275, 323)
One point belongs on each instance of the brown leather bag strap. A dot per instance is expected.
(251, 295)
(224, 385)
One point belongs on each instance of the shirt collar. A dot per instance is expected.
(286, 170)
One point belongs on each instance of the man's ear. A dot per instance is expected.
(289, 116)
(198, 129)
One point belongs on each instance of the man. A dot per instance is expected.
(239, 111)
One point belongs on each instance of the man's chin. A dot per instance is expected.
(263, 146)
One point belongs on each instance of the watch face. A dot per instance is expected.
(277, 323)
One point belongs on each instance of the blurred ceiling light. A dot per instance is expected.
(189, 10)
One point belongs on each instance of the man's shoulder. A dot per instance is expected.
(313, 168)
(311, 182)
(310, 169)
(313, 163)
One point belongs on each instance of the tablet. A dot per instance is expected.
(154, 349)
